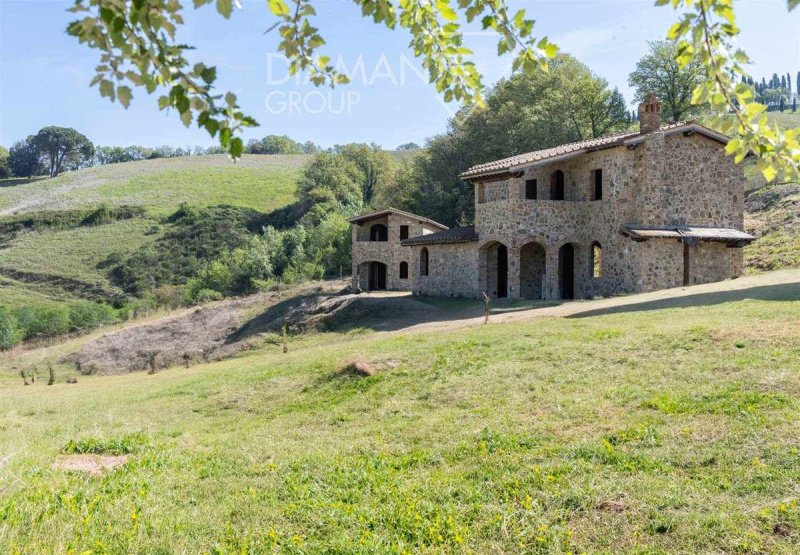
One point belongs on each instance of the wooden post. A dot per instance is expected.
(485, 307)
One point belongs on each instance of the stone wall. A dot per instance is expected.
(666, 180)
(452, 270)
(710, 262)
(390, 252)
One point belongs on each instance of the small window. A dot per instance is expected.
(378, 232)
(557, 185)
(597, 184)
(423, 262)
(404, 270)
(530, 189)
(403, 232)
(597, 260)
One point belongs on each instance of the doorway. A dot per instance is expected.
(502, 272)
(566, 271)
(377, 276)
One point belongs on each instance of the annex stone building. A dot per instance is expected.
(627, 213)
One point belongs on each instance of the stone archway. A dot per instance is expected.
(532, 268)
(494, 269)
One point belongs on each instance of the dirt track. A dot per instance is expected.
(222, 329)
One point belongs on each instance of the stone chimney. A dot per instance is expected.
(649, 114)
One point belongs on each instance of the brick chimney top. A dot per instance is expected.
(649, 114)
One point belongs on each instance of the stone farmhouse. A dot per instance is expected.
(627, 213)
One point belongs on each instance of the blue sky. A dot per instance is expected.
(44, 73)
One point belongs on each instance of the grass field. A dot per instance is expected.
(786, 120)
(259, 182)
(642, 432)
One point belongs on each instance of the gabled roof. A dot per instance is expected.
(687, 233)
(381, 213)
(516, 163)
(464, 234)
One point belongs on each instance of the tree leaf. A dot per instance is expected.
(124, 95)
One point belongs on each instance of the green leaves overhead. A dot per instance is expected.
(138, 49)
(137, 43)
(706, 33)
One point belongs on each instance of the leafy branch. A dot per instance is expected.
(139, 49)
(705, 33)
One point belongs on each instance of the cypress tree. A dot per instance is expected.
(789, 82)
(783, 82)
(781, 106)
(794, 104)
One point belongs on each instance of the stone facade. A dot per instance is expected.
(368, 248)
(551, 228)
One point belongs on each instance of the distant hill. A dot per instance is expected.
(259, 182)
(52, 263)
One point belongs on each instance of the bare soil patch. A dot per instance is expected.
(90, 464)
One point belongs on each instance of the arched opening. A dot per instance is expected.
(596, 262)
(494, 269)
(378, 232)
(377, 276)
(423, 261)
(566, 271)
(532, 262)
(404, 270)
(557, 185)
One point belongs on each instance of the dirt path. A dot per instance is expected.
(779, 285)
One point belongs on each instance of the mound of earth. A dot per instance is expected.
(220, 330)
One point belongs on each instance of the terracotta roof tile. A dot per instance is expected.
(380, 213)
(507, 164)
(464, 234)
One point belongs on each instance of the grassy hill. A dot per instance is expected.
(259, 182)
(645, 431)
(786, 120)
(262, 183)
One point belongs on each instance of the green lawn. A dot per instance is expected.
(786, 120)
(260, 182)
(652, 432)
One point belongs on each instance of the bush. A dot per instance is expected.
(86, 315)
(171, 296)
(207, 295)
(9, 331)
(42, 322)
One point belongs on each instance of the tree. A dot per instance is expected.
(408, 146)
(23, 158)
(794, 104)
(660, 73)
(374, 165)
(331, 180)
(5, 171)
(60, 146)
(782, 106)
(523, 113)
(274, 144)
(138, 46)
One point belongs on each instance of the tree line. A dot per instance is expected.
(777, 93)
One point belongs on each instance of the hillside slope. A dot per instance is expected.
(262, 183)
(51, 264)
(656, 430)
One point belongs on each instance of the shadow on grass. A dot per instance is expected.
(778, 292)
(344, 313)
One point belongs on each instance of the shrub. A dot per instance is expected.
(42, 322)
(171, 296)
(9, 330)
(207, 295)
(124, 445)
(84, 315)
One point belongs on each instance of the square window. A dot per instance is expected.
(530, 189)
